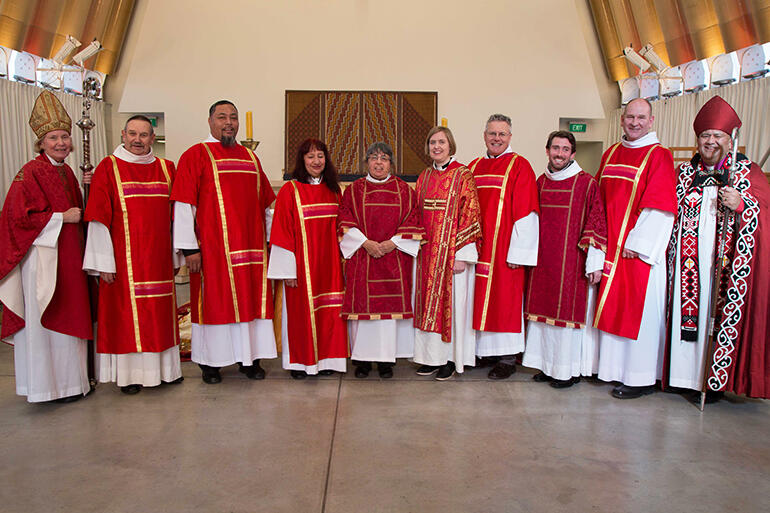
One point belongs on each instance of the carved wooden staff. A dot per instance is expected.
(717, 277)
(91, 90)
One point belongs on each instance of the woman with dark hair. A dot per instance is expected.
(306, 256)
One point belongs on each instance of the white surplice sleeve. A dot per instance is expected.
(650, 235)
(594, 260)
(184, 226)
(409, 246)
(351, 241)
(525, 237)
(100, 254)
(468, 254)
(49, 235)
(268, 221)
(283, 264)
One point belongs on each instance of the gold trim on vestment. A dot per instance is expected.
(174, 320)
(623, 226)
(500, 204)
(142, 296)
(306, 258)
(129, 262)
(225, 236)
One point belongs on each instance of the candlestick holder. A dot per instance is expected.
(250, 144)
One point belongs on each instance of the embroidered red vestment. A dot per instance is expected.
(305, 223)
(38, 191)
(449, 212)
(507, 193)
(630, 180)
(740, 362)
(379, 288)
(137, 312)
(571, 219)
(231, 192)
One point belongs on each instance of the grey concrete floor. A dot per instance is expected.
(339, 444)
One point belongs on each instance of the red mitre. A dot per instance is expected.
(716, 114)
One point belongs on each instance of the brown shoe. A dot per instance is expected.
(501, 371)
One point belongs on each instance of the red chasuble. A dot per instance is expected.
(231, 193)
(305, 223)
(379, 288)
(137, 312)
(507, 193)
(37, 191)
(449, 212)
(630, 180)
(571, 219)
(740, 362)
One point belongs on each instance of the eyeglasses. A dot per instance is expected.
(375, 158)
(498, 134)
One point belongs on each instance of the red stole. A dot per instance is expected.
(571, 219)
(449, 212)
(507, 193)
(630, 180)
(379, 288)
(231, 192)
(38, 191)
(305, 223)
(137, 312)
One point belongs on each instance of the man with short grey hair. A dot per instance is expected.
(510, 227)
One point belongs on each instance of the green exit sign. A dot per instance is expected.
(577, 127)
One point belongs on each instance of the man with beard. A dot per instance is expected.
(561, 295)
(509, 226)
(221, 224)
(636, 181)
(129, 246)
(712, 212)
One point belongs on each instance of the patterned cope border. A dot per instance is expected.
(349, 121)
(729, 328)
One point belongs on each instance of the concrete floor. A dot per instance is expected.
(410, 444)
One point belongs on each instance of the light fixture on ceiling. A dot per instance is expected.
(89, 51)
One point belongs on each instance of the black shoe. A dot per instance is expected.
(385, 369)
(564, 383)
(502, 371)
(427, 370)
(542, 377)
(131, 389)
(297, 374)
(253, 371)
(175, 382)
(626, 392)
(69, 399)
(363, 369)
(486, 361)
(210, 375)
(326, 372)
(446, 371)
(712, 397)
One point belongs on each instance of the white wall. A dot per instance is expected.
(537, 61)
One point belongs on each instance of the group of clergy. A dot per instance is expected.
(483, 265)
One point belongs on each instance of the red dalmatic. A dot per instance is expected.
(630, 180)
(379, 288)
(507, 193)
(449, 211)
(231, 193)
(137, 312)
(38, 191)
(305, 223)
(571, 219)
